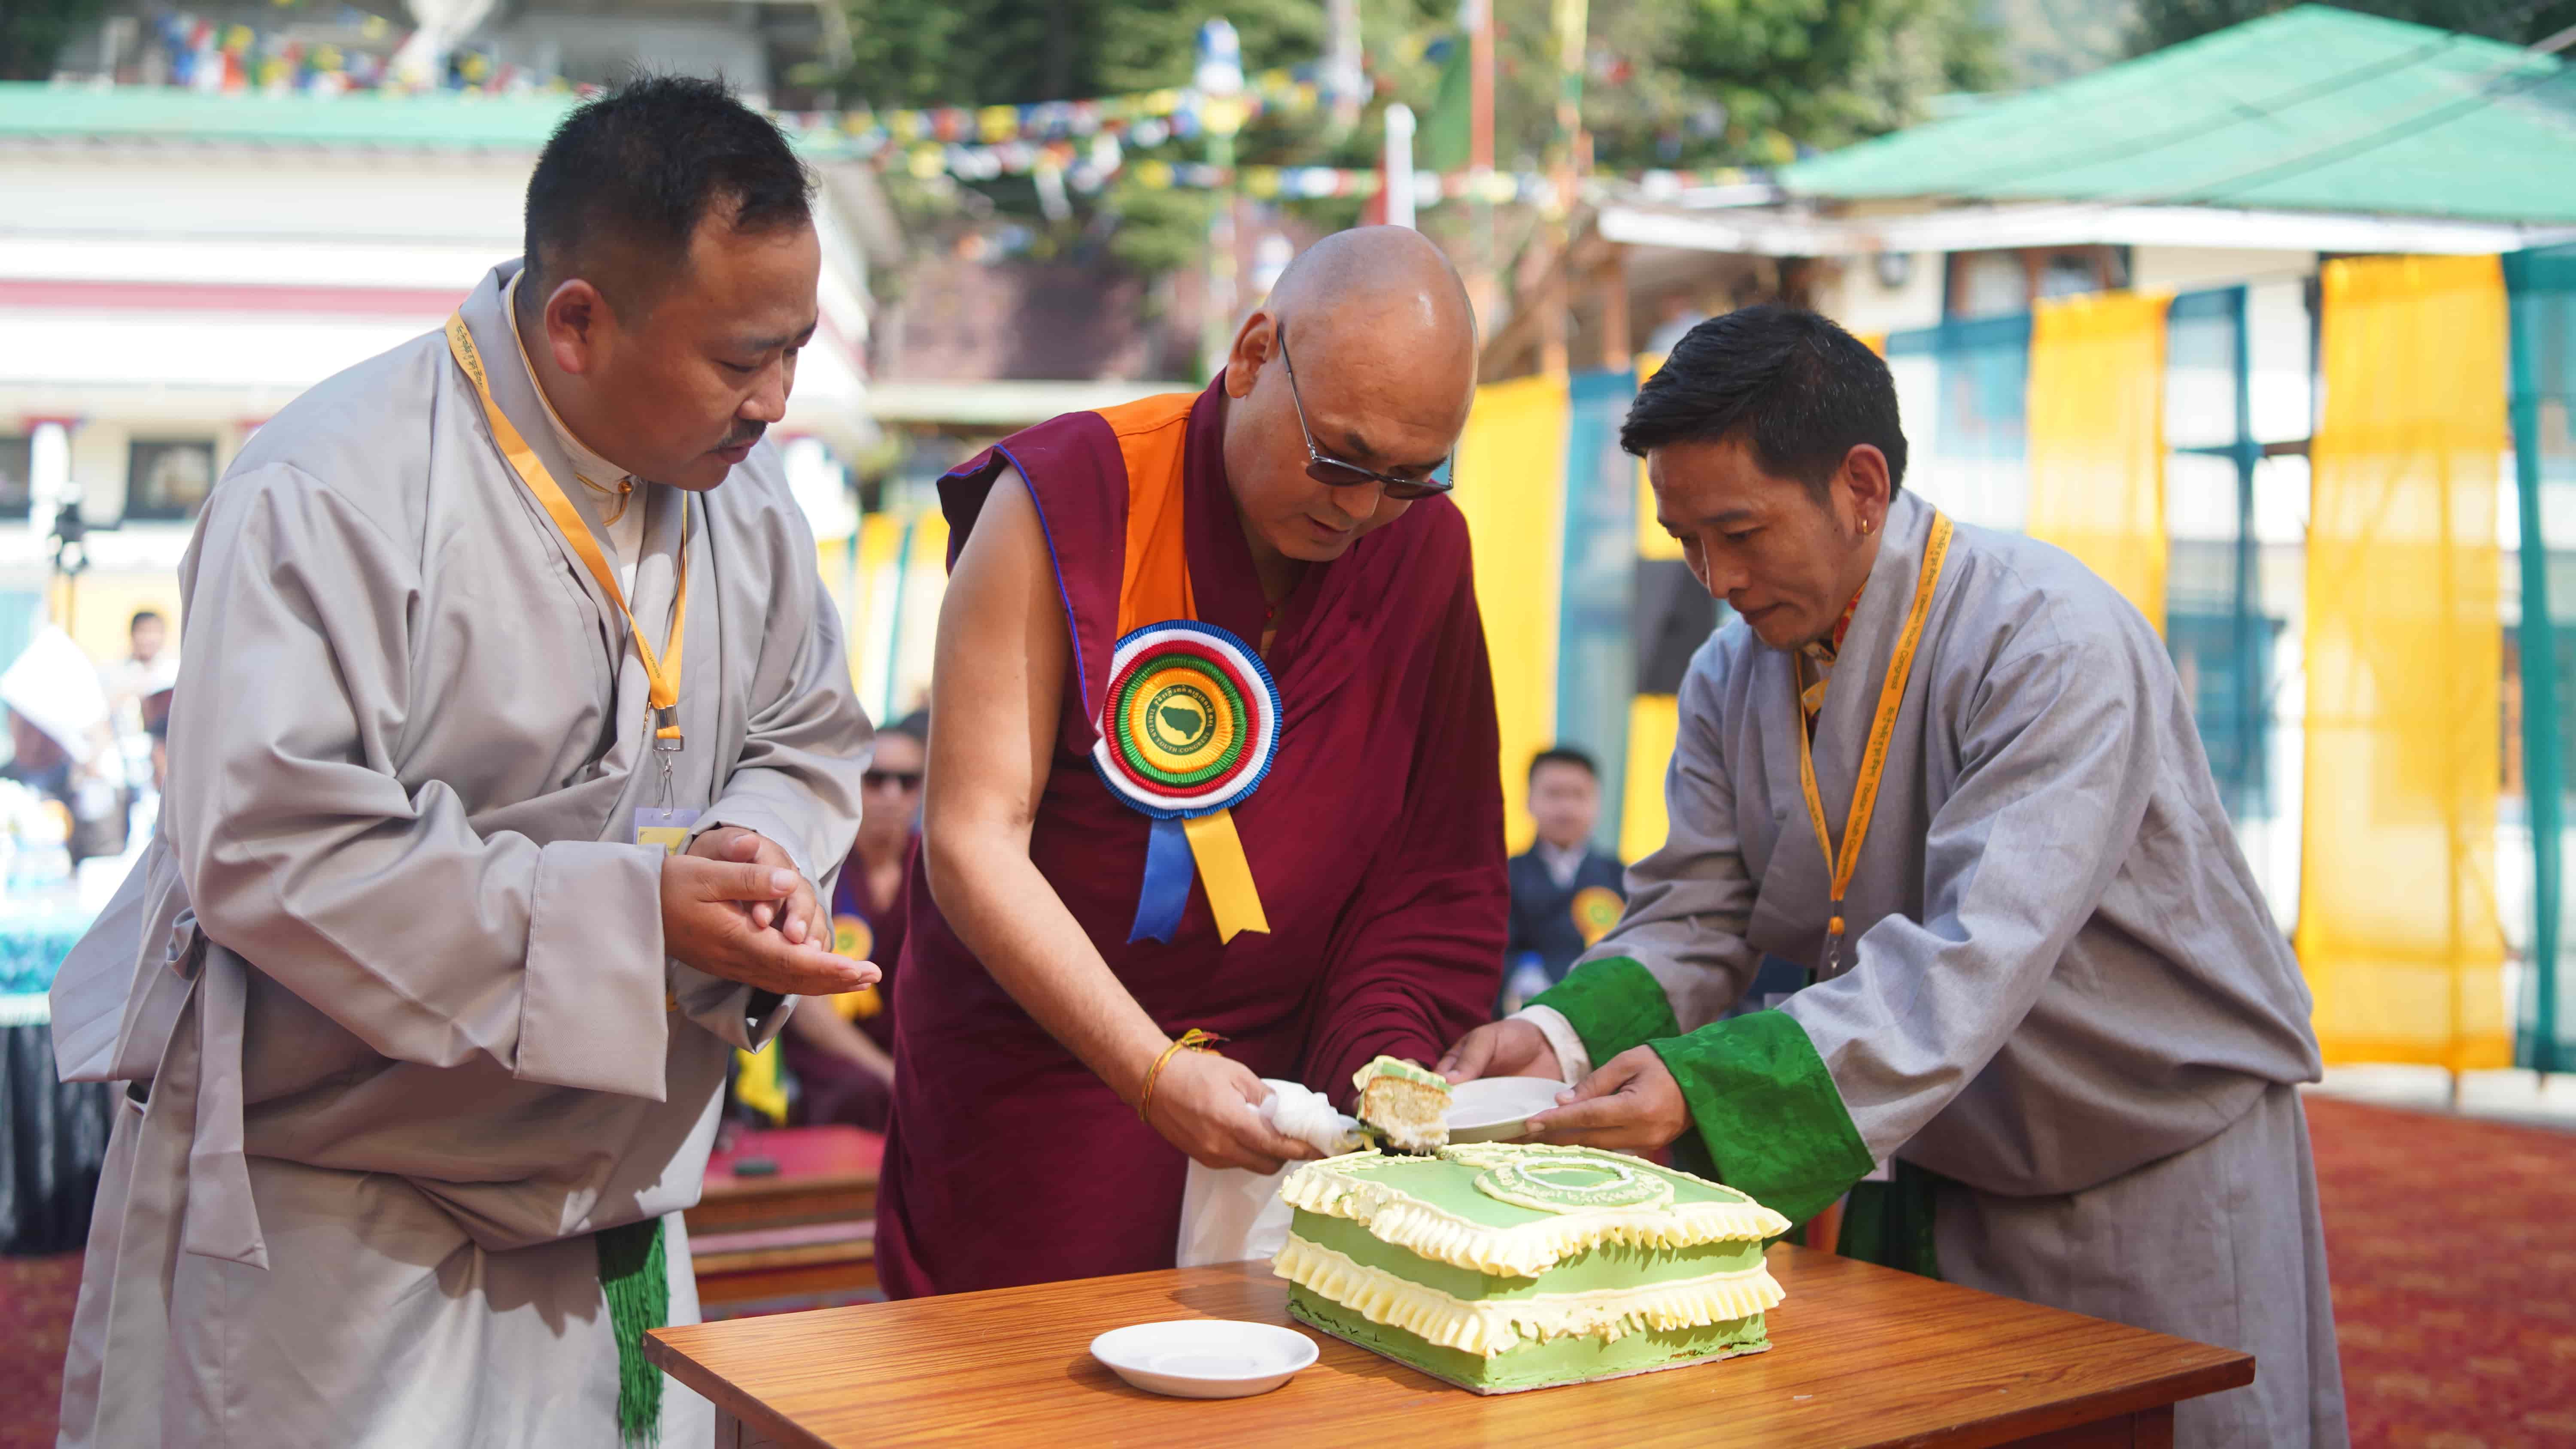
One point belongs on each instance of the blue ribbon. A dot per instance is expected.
(1169, 869)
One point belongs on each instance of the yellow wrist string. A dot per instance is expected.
(1191, 1040)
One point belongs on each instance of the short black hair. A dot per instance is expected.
(142, 614)
(914, 727)
(638, 168)
(1565, 755)
(1802, 391)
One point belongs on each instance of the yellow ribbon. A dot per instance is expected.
(1873, 762)
(1226, 873)
(758, 1085)
(662, 671)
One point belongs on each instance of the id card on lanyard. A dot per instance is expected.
(661, 670)
(1891, 695)
(664, 826)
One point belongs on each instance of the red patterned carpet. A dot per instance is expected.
(35, 1318)
(2453, 1243)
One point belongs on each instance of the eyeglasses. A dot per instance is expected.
(1335, 473)
(905, 780)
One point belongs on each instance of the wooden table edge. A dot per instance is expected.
(752, 1413)
(2234, 1372)
(2226, 1369)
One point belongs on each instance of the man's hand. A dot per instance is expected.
(707, 923)
(1509, 1048)
(1630, 1105)
(800, 917)
(1210, 1108)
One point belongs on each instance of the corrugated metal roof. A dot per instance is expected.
(36, 111)
(2312, 109)
(434, 121)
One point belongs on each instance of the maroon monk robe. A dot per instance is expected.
(1376, 844)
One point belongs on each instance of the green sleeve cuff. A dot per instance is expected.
(1767, 1111)
(1613, 1004)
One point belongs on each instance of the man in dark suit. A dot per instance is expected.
(1565, 894)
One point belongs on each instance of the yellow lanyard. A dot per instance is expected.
(1873, 763)
(662, 671)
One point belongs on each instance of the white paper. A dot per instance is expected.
(1232, 1214)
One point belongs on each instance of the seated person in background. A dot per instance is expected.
(841, 1047)
(1565, 894)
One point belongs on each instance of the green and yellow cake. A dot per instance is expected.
(1506, 1266)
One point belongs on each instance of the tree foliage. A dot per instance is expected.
(34, 32)
(2518, 22)
(1668, 83)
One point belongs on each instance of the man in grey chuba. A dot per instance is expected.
(2056, 1012)
(423, 1030)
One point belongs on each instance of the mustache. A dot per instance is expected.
(745, 436)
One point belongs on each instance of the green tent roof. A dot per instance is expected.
(366, 120)
(2312, 109)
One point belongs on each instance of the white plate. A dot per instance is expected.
(1498, 1109)
(1204, 1358)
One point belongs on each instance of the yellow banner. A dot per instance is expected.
(2097, 438)
(2398, 930)
(1654, 725)
(1511, 487)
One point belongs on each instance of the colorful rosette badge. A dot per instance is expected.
(1189, 730)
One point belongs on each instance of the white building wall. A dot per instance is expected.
(2192, 269)
(152, 292)
(1861, 300)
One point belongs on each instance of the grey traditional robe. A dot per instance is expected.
(2061, 992)
(390, 987)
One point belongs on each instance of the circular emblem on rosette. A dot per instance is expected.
(1191, 722)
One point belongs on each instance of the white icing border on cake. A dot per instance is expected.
(1499, 1325)
(1405, 1221)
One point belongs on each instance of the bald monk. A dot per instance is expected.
(1079, 906)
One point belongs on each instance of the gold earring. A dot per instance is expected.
(1866, 525)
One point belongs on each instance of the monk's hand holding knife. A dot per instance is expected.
(707, 922)
(1210, 1108)
(1630, 1104)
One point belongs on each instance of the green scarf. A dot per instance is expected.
(635, 1277)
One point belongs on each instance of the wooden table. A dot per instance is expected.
(1861, 1355)
(807, 1229)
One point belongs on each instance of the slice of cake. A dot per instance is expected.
(1508, 1266)
(1408, 1106)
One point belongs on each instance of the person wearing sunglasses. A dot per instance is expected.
(840, 1048)
(1258, 595)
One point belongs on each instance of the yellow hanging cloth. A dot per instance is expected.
(1511, 490)
(2097, 438)
(2398, 930)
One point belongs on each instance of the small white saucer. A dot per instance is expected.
(1204, 1358)
(1498, 1109)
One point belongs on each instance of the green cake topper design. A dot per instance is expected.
(1571, 1184)
(1439, 1208)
